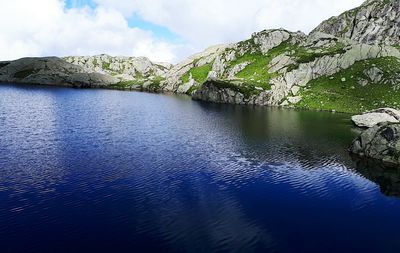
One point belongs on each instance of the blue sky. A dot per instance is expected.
(133, 21)
(162, 30)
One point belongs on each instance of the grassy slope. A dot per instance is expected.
(199, 73)
(331, 93)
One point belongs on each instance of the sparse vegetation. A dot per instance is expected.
(333, 93)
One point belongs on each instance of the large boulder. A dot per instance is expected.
(381, 142)
(371, 118)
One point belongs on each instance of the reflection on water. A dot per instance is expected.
(387, 177)
(110, 171)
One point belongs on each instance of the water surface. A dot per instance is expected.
(112, 171)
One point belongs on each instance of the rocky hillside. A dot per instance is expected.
(349, 63)
(132, 72)
(52, 71)
(327, 69)
(374, 22)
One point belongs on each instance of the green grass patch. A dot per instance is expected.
(349, 96)
(193, 88)
(106, 65)
(199, 73)
(256, 72)
(305, 56)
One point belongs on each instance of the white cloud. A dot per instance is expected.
(44, 27)
(207, 22)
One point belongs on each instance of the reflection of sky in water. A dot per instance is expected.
(152, 171)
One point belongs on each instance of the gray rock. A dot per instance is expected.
(374, 74)
(294, 100)
(52, 71)
(371, 118)
(270, 38)
(381, 142)
(121, 67)
(374, 22)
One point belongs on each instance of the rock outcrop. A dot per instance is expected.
(230, 93)
(374, 22)
(381, 142)
(371, 118)
(121, 67)
(180, 77)
(51, 71)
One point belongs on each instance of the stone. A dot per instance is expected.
(294, 100)
(374, 74)
(295, 90)
(371, 118)
(381, 142)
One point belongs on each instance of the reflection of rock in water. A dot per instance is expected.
(388, 178)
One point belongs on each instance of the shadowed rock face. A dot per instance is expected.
(51, 71)
(387, 177)
(381, 142)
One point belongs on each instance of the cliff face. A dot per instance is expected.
(374, 22)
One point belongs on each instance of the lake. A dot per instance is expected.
(114, 171)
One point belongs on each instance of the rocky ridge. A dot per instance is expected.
(132, 72)
(374, 22)
(52, 71)
(323, 70)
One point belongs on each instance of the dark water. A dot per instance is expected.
(111, 171)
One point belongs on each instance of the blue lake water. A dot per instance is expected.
(113, 171)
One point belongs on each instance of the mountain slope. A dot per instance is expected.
(52, 71)
(338, 71)
(132, 72)
(374, 22)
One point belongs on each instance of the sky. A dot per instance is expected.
(162, 30)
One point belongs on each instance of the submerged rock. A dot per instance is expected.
(381, 142)
(371, 118)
